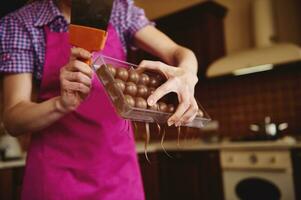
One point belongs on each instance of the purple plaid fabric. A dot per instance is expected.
(22, 37)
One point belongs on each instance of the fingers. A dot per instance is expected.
(160, 92)
(182, 108)
(190, 114)
(154, 66)
(78, 77)
(200, 113)
(72, 102)
(79, 53)
(79, 66)
(75, 86)
(75, 80)
(180, 81)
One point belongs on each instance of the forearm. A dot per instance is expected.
(185, 58)
(157, 43)
(180, 71)
(22, 115)
(28, 117)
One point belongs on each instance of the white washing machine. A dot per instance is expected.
(257, 174)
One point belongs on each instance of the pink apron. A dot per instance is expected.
(88, 154)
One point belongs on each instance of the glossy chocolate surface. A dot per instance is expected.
(140, 103)
(144, 79)
(122, 74)
(129, 100)
(120, 84)
(130, 89)
(133, 76)
(142, 91)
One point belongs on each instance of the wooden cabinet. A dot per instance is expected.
(150, 176)
(199, 28)
(193, 175)
(11, 183)
(296, 158)
(6, 184)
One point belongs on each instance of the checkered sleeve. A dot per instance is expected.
(16, 50)
(130, 19)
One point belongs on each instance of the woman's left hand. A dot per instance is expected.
(182, 82)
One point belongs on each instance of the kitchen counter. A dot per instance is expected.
(188, 145)
(193, 145)
(12, 164)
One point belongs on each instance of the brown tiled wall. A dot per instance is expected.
(236, 102)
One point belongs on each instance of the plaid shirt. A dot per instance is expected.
(22, 37)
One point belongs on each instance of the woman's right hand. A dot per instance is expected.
(75, 81)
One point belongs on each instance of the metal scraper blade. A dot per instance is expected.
(91, 13)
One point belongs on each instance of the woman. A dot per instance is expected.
(80, 148)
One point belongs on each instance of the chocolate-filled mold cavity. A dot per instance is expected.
(122, 74)
(160, 77)
(154, 82)
(142, 91)
(140, 103)
(170, 108)
(120, 84)
(162, 106)
(144, 79)
(151, 90)
(129, 100)
(112, 69)
(133, 76)
(130, 90)
(154, 107)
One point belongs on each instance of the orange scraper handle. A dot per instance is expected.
(88, 38)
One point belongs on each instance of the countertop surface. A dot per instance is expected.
(12, 164)
(194, 145)
(190, 145)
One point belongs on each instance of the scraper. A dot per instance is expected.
(89, 22)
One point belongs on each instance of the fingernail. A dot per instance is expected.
(178, 124)
(170, 123)
(150, 102)
(200, 113)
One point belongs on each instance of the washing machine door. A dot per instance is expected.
(257, 188)
(258, 185)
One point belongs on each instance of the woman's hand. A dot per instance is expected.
(22, 115)
(75, 80)
(180, 81)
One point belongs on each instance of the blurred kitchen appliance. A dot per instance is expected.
(267, 53)
(269, 128)
(265, 131)
(10, 148)
(257, 174)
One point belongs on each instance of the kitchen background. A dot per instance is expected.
(202, 170)
(237, 102)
